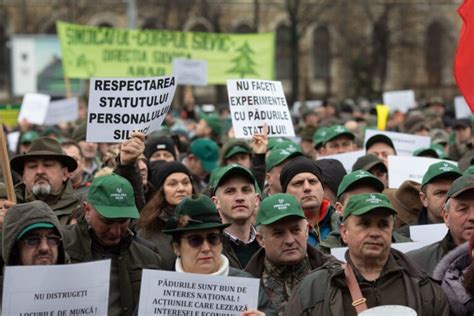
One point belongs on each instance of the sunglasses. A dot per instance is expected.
(34, 241)
(196, 241)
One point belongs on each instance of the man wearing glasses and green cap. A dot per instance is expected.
(105, 234)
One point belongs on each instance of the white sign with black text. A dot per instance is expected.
(34, 108)
(190, 72)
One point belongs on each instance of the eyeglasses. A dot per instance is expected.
(34, 241)
(196, 241)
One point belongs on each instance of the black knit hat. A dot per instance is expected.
(161, 169)
(333, 172)
(159, 143)
(298, 165)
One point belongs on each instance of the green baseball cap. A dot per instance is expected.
(213, 121)
(336, 131)
(28, 137)
(361, 204)
(273, 141)
(289, 145)
(439, 150)
(469, 170)
(237, 150)
(228, 171)
(206, 151)
(277, 156)
(113, 197)
(34, 226)
(194, 213)
(359, 177)
(438, 169)
(277, 207)
(319, 136)
(460, 185)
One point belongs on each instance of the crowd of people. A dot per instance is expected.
(191, 198)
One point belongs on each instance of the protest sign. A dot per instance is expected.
(256, 102)
(57, 290)
(108, 52)
(9, 114)
(190, 72)
(461, 108)
(405, 144)
(174, 293)
(428, 234)
(60, 111)
(402, 100)
(119, 106)
(34, 108)
(401, 168)
(347, 159)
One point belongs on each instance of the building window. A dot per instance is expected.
(435, 36)
(322, 53)
(283, 53)
(243, 28)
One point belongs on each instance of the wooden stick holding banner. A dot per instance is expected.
(67, 84)
(5, 163)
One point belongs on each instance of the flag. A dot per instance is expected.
(464, 61)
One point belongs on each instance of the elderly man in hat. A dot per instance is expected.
(338, 140)
(375, 274)
(235, 196)
(44, 171)
(458, 215)
(104, 234)
(302, 178)
(285, 257)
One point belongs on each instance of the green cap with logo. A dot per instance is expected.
(460, 185)
(336, 131)
(440, 169)
(206, 151)
(213, 121)
(32, 227)
(319, 136)
(361, 204)
(237, 150)
(113, 197)
(277, 156)
(228, 171)
(359, 177)
(277, 207)
(289, 145)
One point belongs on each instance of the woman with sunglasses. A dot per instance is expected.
(172, 181)
(196, 233)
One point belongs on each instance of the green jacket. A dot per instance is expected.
(63, 204)
(128, 260)
(429, 256)
(19, 217)
(334, 240)
(324, 291)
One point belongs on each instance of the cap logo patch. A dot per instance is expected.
(284, 152)
(339, 129)
(373, 199)
(282, 206)
(161, 146)
(119, 196)
(446, 167)
(361, 175)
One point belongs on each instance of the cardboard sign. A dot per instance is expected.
(57, 290)
(34, 108)
(173, 293)
(119, 106)
(461, 108)
(347, 159)
(402, 100)
(190, 72)
(428, 233)
(256, 102)
(66, 110)
(111, 52)
(401, 168)
(405, 144)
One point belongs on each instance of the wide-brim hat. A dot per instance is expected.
(43, 147)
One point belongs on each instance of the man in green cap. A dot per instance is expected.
(201, 159)
(384, 275)
(458, 215)
(274, 163)
(236, 198)
(209, 126)
(338, 140)
(104, 234)
(434, 186)
(25, 141)
(285, 257)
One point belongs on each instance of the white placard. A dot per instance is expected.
(60, 111)
(70, 289)
(402, 168)
(34, 108)
(119, 106)
(256, 102)
(405, 144)
(401, 246)
(461, 108)
(24, 65)
(197, 294)
(13, 138)
(402, 100)
(190, 72)
(347, 159)
(428, 233)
